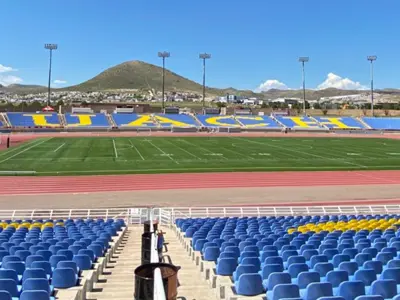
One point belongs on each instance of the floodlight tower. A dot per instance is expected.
(372, 58)
(50, 47)
(303, 60)
(204, 56)
(163, 55)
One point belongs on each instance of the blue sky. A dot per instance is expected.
(252, 42)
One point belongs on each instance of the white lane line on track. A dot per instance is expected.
(59, 147)
(24, 150)
(347, 168)
(115, 149)
(137, 150)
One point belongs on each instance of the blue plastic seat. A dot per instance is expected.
(386, 288)
(45, 265)
(267, 253)
(31, 258)
(370, 250)
(83, 261)
(317, 290)
(375, 265)
(246, 254)
(37, 284)
(9, 274)
(67, 253)
(367, 276)
(34, 273)
(351, 252)
(270, 268)
(10, 286)
(323, 268)
(242, 269)
(68, 264)
(249, 285)
(339, 258)
(336, 278)
(391, 273)
(295, 260)
(350, 290)
(34, 295)
(64, 278)
(233, 249)
(54, 259)
(361, 258)
(283, 291)
(252, 261)
(349, 266)
(330, 253)
(226, 266)
(4, 295)
(308, 253)
(384, 257)
(296, 269)
(210, 253)
(275, 279)
(370, 297)
(318, 259)
(45, 253)
(305, 278)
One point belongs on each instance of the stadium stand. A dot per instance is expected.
(32, 120)
(41, 259)
(340, 122)
(301, 257)
(257, 122)
(175, 120)
(86, 120)
(133, 120)
(382, 123)
(299, 122)
(217, 121)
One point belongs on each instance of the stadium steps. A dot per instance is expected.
(197, 120)
(363, 123)
(238, 121)
(111, 121)
(155, 121)
(4, 119)
(117, 280)
(63, 122)
(319, 124)
(277, 121)
(191, 285)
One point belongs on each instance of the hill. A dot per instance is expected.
(23, 89)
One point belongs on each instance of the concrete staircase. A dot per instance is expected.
(191, 284)
(117, 280)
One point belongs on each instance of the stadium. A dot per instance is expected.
(251, 207)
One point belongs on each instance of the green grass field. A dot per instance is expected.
(104, 155)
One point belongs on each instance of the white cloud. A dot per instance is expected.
(8, 79)
(4, 69)
(59, 81)
(271, 84)
(335, 81)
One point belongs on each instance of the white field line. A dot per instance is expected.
(209, 151)
(301, 152)
(159, 149)
(137, 150)
(188, 152)
(24, 150)
(18, 147)
(115, 149)
(216, 168)
(59, 147)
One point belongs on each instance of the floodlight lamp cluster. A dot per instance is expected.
(50, 46)
(204, 56)
(371, 58)
(163, 54)
(304, 59)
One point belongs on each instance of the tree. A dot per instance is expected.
(317, 106)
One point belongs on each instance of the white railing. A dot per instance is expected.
(158, 285)
(168, 215)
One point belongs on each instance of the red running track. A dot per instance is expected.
(112, 183)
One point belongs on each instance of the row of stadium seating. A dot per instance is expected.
(302, 257)
(182, 120)
(38, 257)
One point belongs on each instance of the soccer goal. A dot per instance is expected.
(143, 131)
